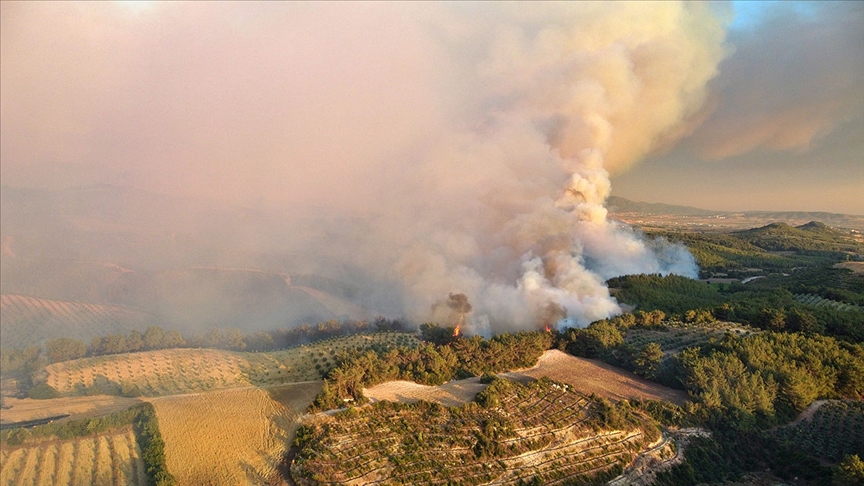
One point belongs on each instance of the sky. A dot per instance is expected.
(785, 128)
(264, 103)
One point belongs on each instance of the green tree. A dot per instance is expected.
(134, 341)
(850, 472)
(64, 349)
(153, 338)
(648, 360)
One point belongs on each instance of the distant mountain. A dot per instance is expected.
(620, 205)
(617, 204)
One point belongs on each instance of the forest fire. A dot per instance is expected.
(456, 331)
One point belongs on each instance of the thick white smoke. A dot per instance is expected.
(479, 136)
(558, 96)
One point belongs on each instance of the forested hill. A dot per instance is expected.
(813, 236)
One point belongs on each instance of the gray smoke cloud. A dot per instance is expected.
(464, 148)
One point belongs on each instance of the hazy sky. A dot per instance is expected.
(784, 129)
(318, 103)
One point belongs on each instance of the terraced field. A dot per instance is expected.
(177, 371)
(542, 431)
(99, 460)
(678, 335)
(29, 321)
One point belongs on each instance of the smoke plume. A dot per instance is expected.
(465, 149)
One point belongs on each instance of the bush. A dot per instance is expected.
(43, 391)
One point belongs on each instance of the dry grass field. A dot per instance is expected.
(101, 460)
(28, 321)
(230, 436)
(77, 407)
(451, 394)
(592, 376)
(856, 267)
(178, 371)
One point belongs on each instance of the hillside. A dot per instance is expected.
(27, 321)
(543, 431)
(175, 371)
(812, 236)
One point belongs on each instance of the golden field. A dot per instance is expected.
(231, 436)
(111, 459)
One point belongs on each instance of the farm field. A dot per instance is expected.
(77, 407)
(230, 436)
(592, 376)
(29, 321)
(818, 301)
(178, 371)
(679, 335)
(451, 394)
(100, 460)
(542, 430)
(835, 429)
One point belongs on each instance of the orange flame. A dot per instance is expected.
(456, 332)
(548, 329)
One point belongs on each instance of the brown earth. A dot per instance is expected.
(78, 407)
(451, 394)
(592, 376)
(856, 267)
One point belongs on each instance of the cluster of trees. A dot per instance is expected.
(763, 378)
(430, 364)
(771, 308)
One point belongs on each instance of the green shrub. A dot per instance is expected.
(43, 391)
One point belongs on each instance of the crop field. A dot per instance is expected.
(230, 436)
(591, 376)
(98, 460)
(818, 301)
(679, 336)
(20, 410)
(28, 321)
(836, 429)
(537, 431)
(176, 371)
(451, 394)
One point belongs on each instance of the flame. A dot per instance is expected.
(548, 329)
(456, 332)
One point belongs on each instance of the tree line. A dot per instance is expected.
(430, 363)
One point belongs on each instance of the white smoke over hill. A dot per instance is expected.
(479, 137)
(510, 210)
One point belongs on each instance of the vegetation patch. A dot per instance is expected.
(543, 432)
(836, 430)
(176, 371)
